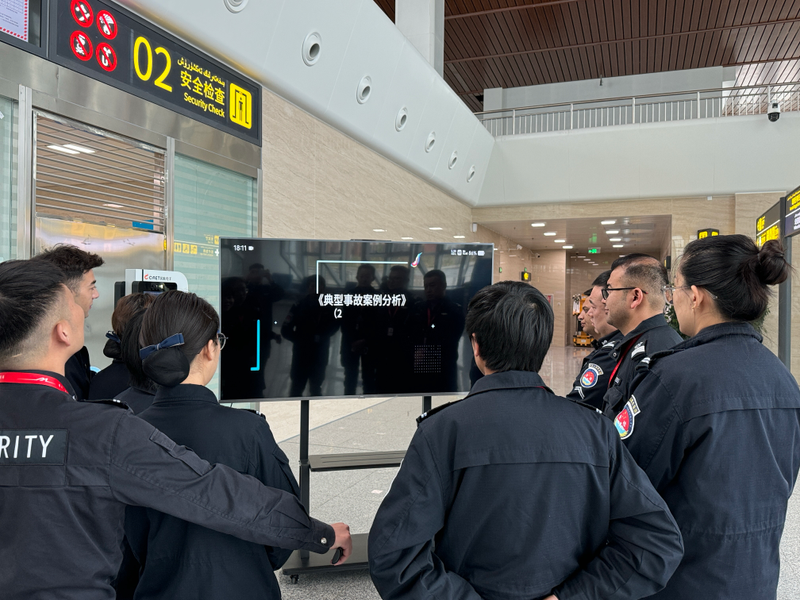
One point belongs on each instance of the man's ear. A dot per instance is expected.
(475, 349)
(638, 298)
(62, 333)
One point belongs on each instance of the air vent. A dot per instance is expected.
(364, 89)
(312, 46)
(235, 6)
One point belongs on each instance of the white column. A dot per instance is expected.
(422, 22)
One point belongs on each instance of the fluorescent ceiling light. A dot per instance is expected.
(619, 245)
(567, 247)
(113, 205)
(608, 222)
(460, 237)
(560, 241)
(379, 230)
(435, 228)
(587, 259)
(612, 231)
(550, 233)
(581, 256)
(614, 239)
(406, 238)
(512, 256)
(538, 224)
(77, 148)
(63, 149)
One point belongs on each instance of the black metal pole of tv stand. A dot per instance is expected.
(306, 562)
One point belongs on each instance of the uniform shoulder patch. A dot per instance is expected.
(638, 349)
(255, 412)
(110, 402)
(626, 418)
(433, 411)
(590, 375)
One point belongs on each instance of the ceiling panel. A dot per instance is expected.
(513, 43)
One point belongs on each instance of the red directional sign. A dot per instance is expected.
(106, 57)
(81, 45)
(82, 12)
(107, 24)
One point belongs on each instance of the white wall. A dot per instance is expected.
(686, 158)
(613, 87)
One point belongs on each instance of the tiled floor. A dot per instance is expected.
(388, 424)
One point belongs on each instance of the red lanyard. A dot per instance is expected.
(33, 378)
(623, 354)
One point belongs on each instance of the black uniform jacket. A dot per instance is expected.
(79, 373)
(592, 382)
(183, 560)
(650, 336)
(515, 493)
(67, 470)
(137, 399)
(715, 424)
(109, 382)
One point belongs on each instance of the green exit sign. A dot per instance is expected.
(594, 250)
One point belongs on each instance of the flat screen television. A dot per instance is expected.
(326, 318)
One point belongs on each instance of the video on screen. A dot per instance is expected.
(316, 318)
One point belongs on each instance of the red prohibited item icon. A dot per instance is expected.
(107, 24)
(81, 45)
(106, 56)
(82, 12)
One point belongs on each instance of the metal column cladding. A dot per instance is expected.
(111, 45)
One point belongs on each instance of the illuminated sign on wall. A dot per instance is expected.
(704, 233)
(768, 226)
(108, 44)
(792, 222)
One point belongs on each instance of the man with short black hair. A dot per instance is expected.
(78, 267)
(634, 298)
(516, 493)
(592, 382)
(68, 469)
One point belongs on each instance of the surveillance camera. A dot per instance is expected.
(538, 256)
(774, 111)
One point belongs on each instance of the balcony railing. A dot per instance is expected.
(653, 108)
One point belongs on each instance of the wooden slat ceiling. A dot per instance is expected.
(513, 43)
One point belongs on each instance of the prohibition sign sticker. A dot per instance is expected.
(107, 24)
(106, 56)
(81, 45)
(82, 12)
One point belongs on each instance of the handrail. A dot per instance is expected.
(629, 98)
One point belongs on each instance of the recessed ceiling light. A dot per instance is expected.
(406, 238)
(612, 231)
(619, 245)
(512, 256)
(379, 230)
(614, 239)
(581, 256)
(559, 241)
(79, 148)
(608, 222)
(538, 224)
(63, 149)
(460, 237)
(550, 233)
(567, 247)
(112, 205)
(435, 228)
(587, 259)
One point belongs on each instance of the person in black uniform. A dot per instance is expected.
(78, 266)
(592, 382)
(715, 423)
(355, 331)
(179, 559)
(514, 493)
(67, 468)
(634, 298)
(142, 390)
(115, 378)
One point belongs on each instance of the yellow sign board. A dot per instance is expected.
(241, 106)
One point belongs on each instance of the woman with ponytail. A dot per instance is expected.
(715, 423)
(180, 343)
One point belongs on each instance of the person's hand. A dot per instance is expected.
(343, 540)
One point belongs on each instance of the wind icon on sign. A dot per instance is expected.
(416, 260)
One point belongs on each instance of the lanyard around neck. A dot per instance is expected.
(34, 379)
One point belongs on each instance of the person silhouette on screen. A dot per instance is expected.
(355, 330)
(389, 338)
(309, 326)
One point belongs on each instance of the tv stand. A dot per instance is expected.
(302, 561)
